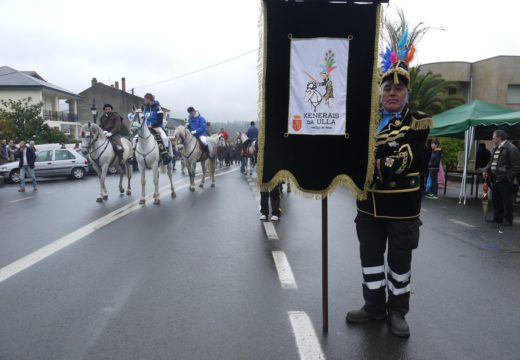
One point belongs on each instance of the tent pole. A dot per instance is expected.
(462, 192)
(325, 263)
(471, 136)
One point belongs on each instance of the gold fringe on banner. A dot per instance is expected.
(286, 175)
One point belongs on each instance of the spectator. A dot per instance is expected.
(503, 167)
(433, 167)
(425, 170)
(12, 150)
(77, 147)
(62, 146)
(4, 153)
(26, 165)
(32, 146)
(483, 156)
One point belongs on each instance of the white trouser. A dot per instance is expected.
(203, 139)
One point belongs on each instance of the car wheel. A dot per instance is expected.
(78, 173)
(14, 175)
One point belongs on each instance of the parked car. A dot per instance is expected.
(50, 163)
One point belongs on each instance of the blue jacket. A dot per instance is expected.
(198, 123)
(435, 159)
(154, 115)
(252, 133)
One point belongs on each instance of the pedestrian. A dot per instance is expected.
(433, 167)
(77, 147)
(502, 168)
(482, 157)
(4, 152)
(32, 146)
(62, 146)
(275, 196)
(26, 166)
(111, 122)
(12, 150)
(390, 214)
(425, 172)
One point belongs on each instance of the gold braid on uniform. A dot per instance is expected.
(422, 124)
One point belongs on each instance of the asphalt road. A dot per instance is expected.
(196, 278)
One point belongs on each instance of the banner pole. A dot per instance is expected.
(325, 263)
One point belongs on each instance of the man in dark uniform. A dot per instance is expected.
(110, 122)
(392, 208)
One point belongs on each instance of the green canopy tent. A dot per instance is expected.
(462, 121)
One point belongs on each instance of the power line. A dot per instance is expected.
(197, 71)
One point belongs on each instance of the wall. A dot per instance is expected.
(36, 95)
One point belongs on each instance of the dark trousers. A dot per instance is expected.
(434, 188)
(502, 193)
(275, 196)
(402, 237)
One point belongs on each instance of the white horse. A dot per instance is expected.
(249, 155)
(192, 154)
(148, 156)
(312, 95)
(102, 156)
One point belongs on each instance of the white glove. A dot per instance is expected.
(194, 132)
(108, 134)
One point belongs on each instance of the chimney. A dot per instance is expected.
(111, 85)
(117, 84)
(123, 84)
(94, 81)
(133, 91)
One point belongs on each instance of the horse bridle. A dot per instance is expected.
(91, 141)
(138, 131)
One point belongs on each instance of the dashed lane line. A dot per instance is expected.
(283, 268)
(307, 342)
(23, 199)
(270, 231)
(458, 222)
(42, 253)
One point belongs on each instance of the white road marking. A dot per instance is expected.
(270, 231)
(23, 199)
(36, 256)
(283, 268)
(306, 340)
(458, 222)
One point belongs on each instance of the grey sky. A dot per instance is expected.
(68, 43)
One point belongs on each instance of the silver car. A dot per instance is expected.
(49, 163)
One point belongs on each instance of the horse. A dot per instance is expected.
(312, 95)
(148, 156)
(101, 153)
(222, 148)
(192, 153)
(249, 155)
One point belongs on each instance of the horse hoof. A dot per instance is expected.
(99, 200)
(105, 197)
(128, 192)
(142, 202)
(212, 185)
(201, 186)
(192, 189)
(121, 190)
(174, 195)
(157, 202)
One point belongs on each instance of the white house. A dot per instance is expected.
(17, 85)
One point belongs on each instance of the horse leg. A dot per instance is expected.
(121, 175)
(212, 167)
(170, 175)
(156, 195)
(102, 189)
(143, 182)
(129, 173)
(203, 179)
(191, 171)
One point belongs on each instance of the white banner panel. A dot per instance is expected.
(318, 86)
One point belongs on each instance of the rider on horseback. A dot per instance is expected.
(197, 126)
(252, 135)
(111, 122)
(154, 120)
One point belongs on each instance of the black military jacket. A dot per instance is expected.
(395, 191)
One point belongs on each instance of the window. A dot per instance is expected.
(452, 91)
(513, 94)
(63, 155)
(44, 156)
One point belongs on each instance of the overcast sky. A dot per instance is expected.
(69, 42)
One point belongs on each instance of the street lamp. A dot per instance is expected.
(93, 111)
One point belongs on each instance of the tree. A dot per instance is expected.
(430, 92)
(23, 121)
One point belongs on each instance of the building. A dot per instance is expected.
(495, 80)
(172, 123)
(100, 94)
(17, 85)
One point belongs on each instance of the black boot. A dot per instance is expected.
(165, 158)
(398, 325)
(363, 316)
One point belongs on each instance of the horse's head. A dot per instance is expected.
(311, 85)
(136, 118)
(89, 134)
(181, 133)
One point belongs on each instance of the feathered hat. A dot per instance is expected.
(400, 50)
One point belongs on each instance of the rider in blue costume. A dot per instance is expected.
(154, 116)
(198, 127)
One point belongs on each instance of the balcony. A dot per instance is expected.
(59, 116)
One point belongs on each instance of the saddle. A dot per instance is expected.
(158, 139)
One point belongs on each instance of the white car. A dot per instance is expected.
(49, 163)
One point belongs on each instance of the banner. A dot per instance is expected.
(319, 94)
(318, 86)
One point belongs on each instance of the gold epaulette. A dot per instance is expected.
(421, 124)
